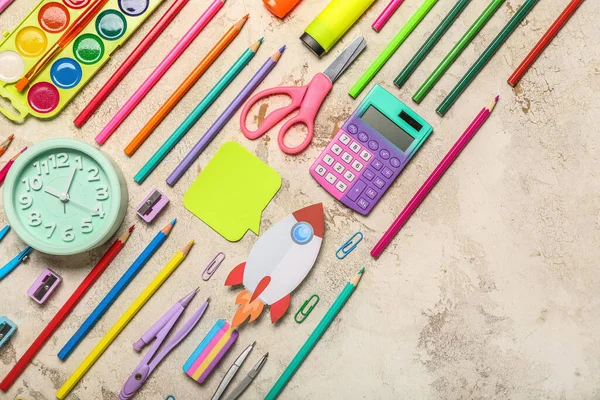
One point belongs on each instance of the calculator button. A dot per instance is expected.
(373, 145)
(357, 165)
(328, 159)
(344, 139)
(384, 154)
(336, 149)
(330, 178)
(320, 170)
(395, 162)
(365, 155)
(362, 203)
(349, 176)
(341, 186)
(369, 175)
(352, 129)
(380, 183)
(377, 164)
(347, 157)
(339, 168)
(356, 190)
(371, 193)
(355, 147)
(363, 137)
(388, 173)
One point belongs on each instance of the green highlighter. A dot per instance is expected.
(332, 23)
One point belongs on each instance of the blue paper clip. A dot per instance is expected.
(15, 262)
(170, 397)
(212, 266)
(349, 246)
(303, 311)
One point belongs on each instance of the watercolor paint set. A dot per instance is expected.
(67, 73)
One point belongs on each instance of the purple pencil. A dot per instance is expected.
(220, 123)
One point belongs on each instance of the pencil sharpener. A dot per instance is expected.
(43, 286)
(152, 205)
(7, 328)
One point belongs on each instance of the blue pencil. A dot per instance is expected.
(114, 293)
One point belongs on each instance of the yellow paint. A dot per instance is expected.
(211, 356)
(31, 41)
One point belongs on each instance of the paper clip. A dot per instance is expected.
(305, 312)
(349, 246)
(170, 397)
(212, 267)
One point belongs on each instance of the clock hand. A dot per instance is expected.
(70, 181)
(81, 205)
(55, 193)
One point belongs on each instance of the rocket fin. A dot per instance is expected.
(279, 308)
(236, 276)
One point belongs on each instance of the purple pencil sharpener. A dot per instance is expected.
(43, 286)
(152, 205)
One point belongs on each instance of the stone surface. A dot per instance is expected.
(491, 289)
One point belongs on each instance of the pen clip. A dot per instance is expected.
(350, 245)
(306, 309)
(212, 267)
(23, 255)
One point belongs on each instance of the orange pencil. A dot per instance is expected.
(185, 86)
(4, 145)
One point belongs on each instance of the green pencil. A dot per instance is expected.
(485, 57)
(195, 115)
(458, 48)
(430, 43)
(314, 337)
(391, 48)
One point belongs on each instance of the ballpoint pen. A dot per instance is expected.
(4, 231)
(239, 389)
(159, 331)
(231, 372)
(15, 262)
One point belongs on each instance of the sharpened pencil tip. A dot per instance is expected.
(11, 137)
(186, 249)
(497, 98)
(361, 271)
(246, 17)
(253, 343)
(131, 228)
(281, 50)
(208, 300)
(261, 39)
(174, 222)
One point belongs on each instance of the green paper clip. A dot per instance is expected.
(349, 246)
(304, 312)
(170, 397)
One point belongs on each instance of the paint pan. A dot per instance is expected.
(75, 65)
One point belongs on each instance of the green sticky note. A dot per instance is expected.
(232, 191)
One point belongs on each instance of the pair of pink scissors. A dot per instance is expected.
(306, 99)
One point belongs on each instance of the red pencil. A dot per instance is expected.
(8, 165)
(65, 310)
(129, 63)
(544, 41)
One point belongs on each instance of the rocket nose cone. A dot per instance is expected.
(314, 215)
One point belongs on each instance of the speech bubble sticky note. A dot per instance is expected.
(232, 191)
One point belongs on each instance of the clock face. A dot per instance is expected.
(64, 198)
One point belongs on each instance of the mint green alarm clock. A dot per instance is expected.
(64, 197)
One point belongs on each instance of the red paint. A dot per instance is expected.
(43, 97)
(76, 3)
(53, 17)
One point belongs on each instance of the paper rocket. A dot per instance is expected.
(278, 263)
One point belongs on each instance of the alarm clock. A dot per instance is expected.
(64, 197)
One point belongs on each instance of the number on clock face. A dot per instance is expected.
(63, 197)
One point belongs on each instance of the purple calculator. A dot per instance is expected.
(368, 153)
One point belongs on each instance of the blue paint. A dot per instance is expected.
(66, 73)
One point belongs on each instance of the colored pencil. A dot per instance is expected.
(220, 122)
(391, 48)
(314, 337)
(197, 113)
(544, 42)
(186, 85)
(159, 71)
(431, 41)
(115, 291)
(485, 57)
(386, 14)
(4, 145)
(64, 311)
(72, 31)
(123, 320)
(4, 4)
(433, 179)
(129, 62)
(456, 50)
(6, 168)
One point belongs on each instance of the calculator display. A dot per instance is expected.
(387, 128)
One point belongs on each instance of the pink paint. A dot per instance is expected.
(43, 97)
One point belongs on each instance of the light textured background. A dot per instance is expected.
(490, 291)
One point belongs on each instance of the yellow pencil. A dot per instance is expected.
(122, 322)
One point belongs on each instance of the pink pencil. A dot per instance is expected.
(435, 176)
(4, 4)
(162, 68)
(385, 15)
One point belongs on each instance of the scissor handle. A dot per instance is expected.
(318, 88)
(273, 118)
